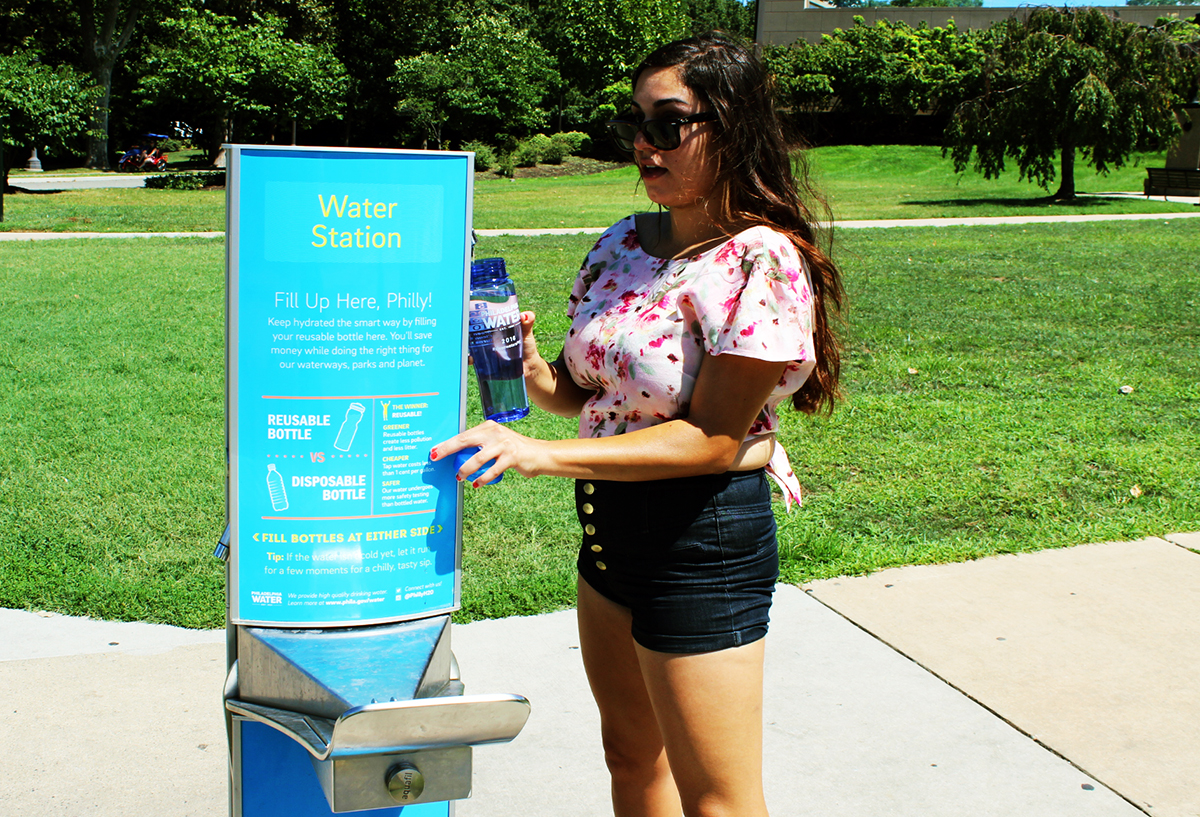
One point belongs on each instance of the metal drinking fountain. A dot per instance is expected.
(346, 298)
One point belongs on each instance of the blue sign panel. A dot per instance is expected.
(347, 285)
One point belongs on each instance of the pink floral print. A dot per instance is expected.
(641, 326)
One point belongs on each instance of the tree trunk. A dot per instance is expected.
(1066, 187)
(101, 50)
(98, 140)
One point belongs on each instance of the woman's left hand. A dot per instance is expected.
(495, 442)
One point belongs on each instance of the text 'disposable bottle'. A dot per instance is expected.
(494, 339)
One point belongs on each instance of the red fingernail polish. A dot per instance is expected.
(433, 455)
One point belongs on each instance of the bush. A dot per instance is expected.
(174, 181)
(556, 152)
(508, 163)
(576, 142)
(485, 154)
(171, 146)
(530, 151)
(186, 181)
(213, 178)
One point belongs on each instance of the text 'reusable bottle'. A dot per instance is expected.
(275, 488)
(345, 437)
(495, 341)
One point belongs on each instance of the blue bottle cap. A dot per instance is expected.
(487, 271)
(466, 454)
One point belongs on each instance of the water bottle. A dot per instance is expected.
(495, 341)
(275, 489)
(345, 437)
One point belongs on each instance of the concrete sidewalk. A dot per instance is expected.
(848, 225)
(1061, 683)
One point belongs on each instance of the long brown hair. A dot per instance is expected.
(756, 184)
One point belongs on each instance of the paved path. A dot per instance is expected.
(850, 225)
(1062, 683)
(52, 183)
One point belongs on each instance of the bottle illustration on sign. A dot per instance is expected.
(345, 437)
(275, 488)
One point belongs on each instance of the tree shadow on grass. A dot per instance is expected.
(1082, 200)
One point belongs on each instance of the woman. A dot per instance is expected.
(689, 326)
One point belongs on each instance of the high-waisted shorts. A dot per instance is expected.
(694, 558)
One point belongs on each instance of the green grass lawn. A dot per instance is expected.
(983, 414)
(116, 211)
(889, 182)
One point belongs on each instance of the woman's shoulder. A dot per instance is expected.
(762, 237)
(623, 233)
(754, 247)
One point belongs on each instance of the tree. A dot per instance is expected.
(1068, 80)
(213, 71)
(730, 16)
(105, 36)
(370, 35)
(597, 44)
(40, 106)
(886, 68)
(492, 81)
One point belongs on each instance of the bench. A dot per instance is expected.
(1177, 181)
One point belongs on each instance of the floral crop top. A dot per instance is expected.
(641, 325)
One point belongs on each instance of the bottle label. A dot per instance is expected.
(494, 336)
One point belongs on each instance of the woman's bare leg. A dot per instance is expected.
(642, 785)
(709, 712)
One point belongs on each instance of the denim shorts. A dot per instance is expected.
(694, 559)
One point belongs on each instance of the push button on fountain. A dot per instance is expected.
(405, 783)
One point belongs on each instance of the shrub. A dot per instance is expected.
(485, 154)
(212, 178)
(174, 181)
(576, 142)
(556, 151)
(186, 181)
(507, 165)
(170, 146)
(530, 151)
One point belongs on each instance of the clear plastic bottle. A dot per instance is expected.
(279, 500)
(495, 341)
(345, 437)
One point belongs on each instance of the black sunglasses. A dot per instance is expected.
(663, 134)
